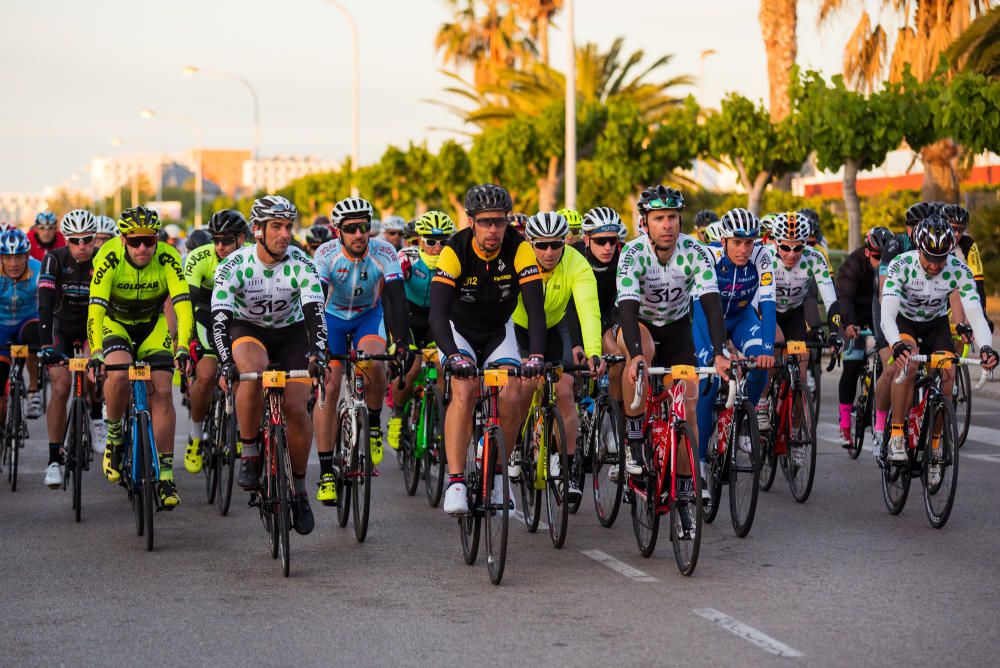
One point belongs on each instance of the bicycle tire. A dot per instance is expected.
(470, 524)
(743, 465)
(939, 499)
(497, 520)
(146, 450)
(607, 493)
(768, 461)
(210, 465)
(435, 456)
(361, 488)
(343, 455)
(225, 450)
(645, 518)
(79, 452)
(895, 478)
(556, 507)
(817, 372)
(531, 498)
(411, 465)
(14, 426)
(128, 465)
(686, 549)
(716, 471)
(962, 400)
(801, 475)
(283, 511)
(861, 411)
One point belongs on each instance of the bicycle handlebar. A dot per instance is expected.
(642, 371)
(961, 361)
(296, 373)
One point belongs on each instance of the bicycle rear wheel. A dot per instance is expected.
(861, 414)
(895, 478)
(361, 486)
(344, 456)
(210, 464)
(435, 459)
(497, 519)
(527, 454)
(645, 518)
(411, 465)
(282, 498)
(607, 450)
(77, 453)
(817, 372)
(146, 452)
(469, 525)
(225, 453)
(768, 461)
(686, 518)
(801, 459)
(556, 507)
(13, 426)
(962, 402)
(939, 496)
(744, 472)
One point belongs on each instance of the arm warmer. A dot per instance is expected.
(628, 317)
(397, 315)
(711, 304)
(221, 319)
(534, 303)
(441, 296)
(316, 324)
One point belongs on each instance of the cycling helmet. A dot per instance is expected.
(46, 219)
(352, 207)
(272, 207)
(660, 197)
(318, 234)
(918, 212)
(704, 217)
(197, 239)
(877, 238)
(393, 223)
(227, 221)
(791, 225)
(78, 221)
(739, 223)
(139, 219)
(14, 242)
(434, 224)
(935, 237)
(410, 231)
(573, 218)
(487, 197)
(321, 220)
(767, 224)
(106, 225)
(518, 221)
(713, 231)
(603, 220)
(545, 225)
(812, 219)
(162, 236)
(173, 231)
(955, 214)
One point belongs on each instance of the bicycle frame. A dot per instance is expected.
(138, 405)
(428, 376)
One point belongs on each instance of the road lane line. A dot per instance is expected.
(748, 633)
(541, 524)
(619, 567)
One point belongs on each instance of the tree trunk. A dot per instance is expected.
(940, 177)
(459, 208)
(778, 20)
(853, 205)
(548, 187)
(755, 195)
(543, 37)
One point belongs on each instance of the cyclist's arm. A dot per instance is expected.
(47, 290)
(397, 313)
(975, 310)
(847, 288)
(827, 292)
(194, 274)
(223, 303)
(891, 297)
(572, 323)
(711, 304)
(587, 308)
(311, 299)
(100, 295)
(628, 318)
(767, 266)
(180, 297)
(529, 277)
(446, 275)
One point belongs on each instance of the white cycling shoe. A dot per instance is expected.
(456, 501)
(53, 476)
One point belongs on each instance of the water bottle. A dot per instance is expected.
(588, 405)
(479, 453)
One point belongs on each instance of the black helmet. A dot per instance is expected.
(876, 239)
(704, 217)
(487, 197)
(321, 220)
(227, 221)
(660, 197)
(935, 237)
(955, 214)
(813, 219)
(196, 239)
(919, 211)
(318, 234)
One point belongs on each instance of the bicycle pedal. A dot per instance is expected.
(254, 501)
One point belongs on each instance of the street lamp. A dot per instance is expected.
(701, 79)
(570, 167)
(191, 70)
(355, 97)
(149, 114)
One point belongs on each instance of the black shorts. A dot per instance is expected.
(558, 345)
(673, 343)
(933, 335)
(65, 333)
(286, 347)
(420, 327)
(793, 323)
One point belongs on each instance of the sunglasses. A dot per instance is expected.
(225, 241)
(604, 241)
(144, 241)
(669, 203)
(80, 241)
(549, 245)
(798, 248)
(491, 222)
(936, 261)
(356, 228)
(434, 243)
(874, 256)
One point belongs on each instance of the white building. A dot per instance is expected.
(270, 174)
(109, 173)
(21, 208)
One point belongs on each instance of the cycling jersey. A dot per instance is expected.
(572, 279)
(38, 249)
(898, 244)
(856, 282)
(417, 275)
(355, 284)
(791, 284)
(606, 275)
(135, 296)
(967, 251)
(63, 292)
(19, 296)
(199, 272)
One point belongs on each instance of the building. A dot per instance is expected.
(109, 173)
(271, 174)
(21, 208)
(223, 167)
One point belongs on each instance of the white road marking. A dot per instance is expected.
(541, 523)
(748, 633)
(619, 567)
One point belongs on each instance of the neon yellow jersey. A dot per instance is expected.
(571, 278)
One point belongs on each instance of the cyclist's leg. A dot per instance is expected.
(369, 339)
(634, 417)
(458, 417)
(883, 383)
(937, 339)
(59, 380)
(747, 337)
(205, 381)
(158, 348)
(902, 394)
(250, 356)
(420, 332)
(609, 344)
(853, 362)
(118, 349)
(675, 344)
(325, 418)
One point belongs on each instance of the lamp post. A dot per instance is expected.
(355, 97)
(191, 70)
(701, 100)
(149, 114)
(570, 166)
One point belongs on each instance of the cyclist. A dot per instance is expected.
(856, 284)
(766, 228)
(392, 230)
(966, 249)
(713, 234)
(817, 242)
(197, 239)
(134, 274)
(518, 221)
(603, 234)
(45, 235)
(374, 231)
(659, 275)
(410, 236)
(915, 300)
(316, 236)
(480, 274)
(575, 221)
(745, 272)
(107, 229)
(363, 278)
(417, 264)
(567, 277)
(267, 307)
(63, 293)
(19, 275)
(701, 220)
(226, 233)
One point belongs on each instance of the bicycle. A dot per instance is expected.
(733, 454)
(541, 455)
(487, 452)
(352, 458)
(77, 446)
(654, 492)
(421, 439)
(141, 462)
(220, 450)
(793, 425)
(930, 406)
(600, 446)
(274, 497)
(15, 427)
(863, 408)
(961, 394)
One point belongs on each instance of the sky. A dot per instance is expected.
(76, 74)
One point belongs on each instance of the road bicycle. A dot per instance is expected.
(78, 451)
(863, 408)
(15, 427)
(421, 438)
(220, 450)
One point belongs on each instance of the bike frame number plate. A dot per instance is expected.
(495, 377)
(273, 378)
(139, 373)
(796, 347)
(20, 351)
(430, 355)
(78, 364)
(941, 360)
(683, 372)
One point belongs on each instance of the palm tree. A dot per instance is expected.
(778, 20)
(538, 14)
(488, 42)
(978, 48)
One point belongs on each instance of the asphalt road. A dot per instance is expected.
(835, 581)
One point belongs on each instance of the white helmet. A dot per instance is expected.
(546, 225)
(376, 227)
(106, 225)
(713, 231)
(78, 221)
(172, 231)
(603, 220)
(393, 223)
(740, 223)
(352, 207)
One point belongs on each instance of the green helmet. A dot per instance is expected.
(574, 219)
(434, 223)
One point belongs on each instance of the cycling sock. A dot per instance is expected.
(115, 431)
(374, 420)
(54, 455)
(633, 427)
(197, 431)
(249, 448)
(685, 488)
(455, 478)
(325, 462)
(299, 483)
(845, 416)
(880, 419)
(897, 429)
(167, 466)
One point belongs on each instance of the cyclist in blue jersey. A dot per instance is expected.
(358, 271)
(745, 272)
(19, 311)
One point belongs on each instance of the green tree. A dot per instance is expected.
(978, 48)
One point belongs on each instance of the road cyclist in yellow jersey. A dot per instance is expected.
(134, 275)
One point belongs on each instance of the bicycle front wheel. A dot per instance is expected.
(282, 496)
(608, 452)
(895, 479)
(716, 464)
(817, 373)
(78, 449)
(768, 461)
(411, 465)
(344, 456)
(14, 418)
(940, 469)
(686, 517)
(744, 472)
(558, 477)
(469, 524)
(435, 459)
(361, 486)
(962, 402)
(497, 515)
(645, 518)
(148, 483)
(225, 452)
(801, 458)
(527, 455)
(861, 414)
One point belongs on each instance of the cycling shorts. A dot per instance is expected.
(65, 333)
(24, 332)
(287, 347)
(558, 345)
(933, 335)
(793, 323)
(500, 347)
(743, 328)
(144, 341)
(365, 326)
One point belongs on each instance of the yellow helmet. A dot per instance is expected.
(434, 223)
(139, 219)
(572, 217)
